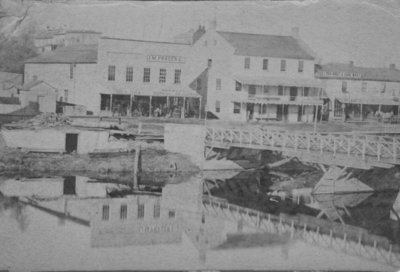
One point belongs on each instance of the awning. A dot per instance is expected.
(277, 101)
(279, 81)
(369, 100)
(167, 91)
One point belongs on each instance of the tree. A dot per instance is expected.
(14, 51)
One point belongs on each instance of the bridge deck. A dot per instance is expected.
(355, 150)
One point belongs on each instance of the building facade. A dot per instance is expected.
(361, 93)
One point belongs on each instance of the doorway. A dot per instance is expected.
(69, 187)
(71, 142)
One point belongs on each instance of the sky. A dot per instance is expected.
(365, 31)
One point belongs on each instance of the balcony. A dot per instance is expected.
(284, 99)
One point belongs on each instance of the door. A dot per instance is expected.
(71, 142)
(69, 185)
(293, 93)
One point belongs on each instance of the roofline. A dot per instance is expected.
(83, 31)
(135, 40)
(297, 58)
(59, 62)
(358, 79)
(256, 34)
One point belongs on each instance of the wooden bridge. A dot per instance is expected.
(352, 241)
(351, 150)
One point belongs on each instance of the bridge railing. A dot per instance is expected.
(379, 250)
(380, 148)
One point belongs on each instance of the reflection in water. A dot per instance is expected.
(203, 222)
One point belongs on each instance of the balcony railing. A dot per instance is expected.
(284, 98)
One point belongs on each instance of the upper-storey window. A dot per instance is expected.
(300, 68)
(177, 78)
(163, 75)
(247, 63)
(218, 84)
(265, 64)
(238, 86)
(129, 73)
(283, 65)
(344, 86)
(111, 72)
(146, 75)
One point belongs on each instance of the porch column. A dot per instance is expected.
(183, 108)
(111, 105)
(315, 118)
(150, 107)
(130, 106)
(199, 107)
(361, 115)
(380, 106)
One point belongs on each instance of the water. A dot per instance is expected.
(208, 221)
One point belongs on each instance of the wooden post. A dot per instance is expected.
(136, 167)
(183, 108)
(150, 110)
(361, 114)
(111, 105)
(200, 108)
(130, 106)
(394, 150)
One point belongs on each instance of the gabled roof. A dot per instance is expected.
(77, 53)
(349, 71)
(27, 86)
(262, 45)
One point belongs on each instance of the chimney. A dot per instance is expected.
(295, 32)
(351, 63)
(198, 33)
(392, 66)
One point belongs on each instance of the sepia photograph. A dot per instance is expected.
(199, 135)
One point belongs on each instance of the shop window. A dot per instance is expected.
(236, 107)
(105, 101)
(66, 95)
(146, 75)
(218, 84)
(111, 73)
(363, 86)
(129, 74)
(238, 86)
(344, 86)
(157, 210)
(177, 78)
(283, 65)
(300, 68)
(265, 64)
(105, 215)
(217, 106)
(163, 75)
(123, 212)
(140, 211)
(337, 110)
(246, 63)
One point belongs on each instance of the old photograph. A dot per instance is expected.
(199, 135)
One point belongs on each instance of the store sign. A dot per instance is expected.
(340, 74)
(163, 58)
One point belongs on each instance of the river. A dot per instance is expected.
(207, 221)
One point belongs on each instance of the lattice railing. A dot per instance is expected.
(332, 239)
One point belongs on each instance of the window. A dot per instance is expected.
(163, 75)
(236, 107)
(238, 86)
(252, 90)
(171, 214)
(265, 64)
(283, 65)
(105, 213)
(246, 63)
(111, 72)
(344, 86)
(146, 75)
(280, 90)
(123, 214)
(198, 84)
(363, 86)
(306, 91)
(301, 66)
(217, 106)
(105, 101)
(156, 210)
(177, 78)
(218, 84)
(66, 95)
(129, 74)
(140, 211)
(337, 110)
(71, 71)
(266, 89)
